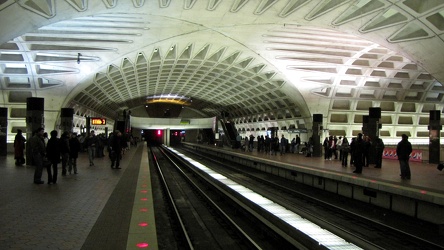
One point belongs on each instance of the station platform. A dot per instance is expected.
(424, 176)
(104, 208)
(98, 208)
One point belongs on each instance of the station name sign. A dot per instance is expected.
(98, 121)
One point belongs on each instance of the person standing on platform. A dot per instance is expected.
(251, 143)
(345, 149)
(238, 141)
(91, 143)
(53, 153)
(326, 147)
(19, 147)
(274, 145)
(38, 151)
(246, 142)
(293, 145)
(74, 149)
(339, 147)
(403, 151)
(333, 148)
(260, 143)
(298, 143)
(366, 151)
(116, 145)
(379, 148)
(284, 143)
(45, 138)
(351, 151)
(267, 144)
(64, 151)
(357, 147)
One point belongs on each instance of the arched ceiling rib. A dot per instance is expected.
(258, 60)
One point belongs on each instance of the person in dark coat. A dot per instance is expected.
(284, 143)
(357, 147)
(351, 151)
(345, 149)
(326, 147)
(403, 151)
(274, 145)
(116, 145)
(64, 150)
(251, 143)
(74, 149)
(379, 148)
(366, 151)
(53, 155)
(19, 147)
(267, 144)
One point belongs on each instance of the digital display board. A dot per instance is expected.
(98, 121)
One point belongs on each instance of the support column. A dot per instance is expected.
(364, 124)
(167, 136)
(66, 119)
(34, 119)
(4, 131)
(373, 126)
(434, 132)
(88, 126)
(316, 137)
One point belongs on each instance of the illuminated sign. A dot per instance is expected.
(98, 121)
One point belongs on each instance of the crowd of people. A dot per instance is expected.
(50, 152)
(359, 149)
(269, 144)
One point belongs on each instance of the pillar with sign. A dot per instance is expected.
(3, 131)
(34, 119)
(434, 132)
(316, 137)
(372, 131)
(66, 119)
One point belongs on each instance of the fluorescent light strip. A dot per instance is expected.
(322, 236)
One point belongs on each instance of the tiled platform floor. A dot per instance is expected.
(83, 211)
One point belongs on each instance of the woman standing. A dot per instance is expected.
(345, 149)
(19, 147)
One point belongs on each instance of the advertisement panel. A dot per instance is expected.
(390, 153)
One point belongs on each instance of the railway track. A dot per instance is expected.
(374, 229)
(198, 216)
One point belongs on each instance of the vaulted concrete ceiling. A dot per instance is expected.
(266, 63)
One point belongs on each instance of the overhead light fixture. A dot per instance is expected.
(172, 99)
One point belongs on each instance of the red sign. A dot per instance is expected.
(390, 153)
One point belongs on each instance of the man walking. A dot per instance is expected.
(116, 145)
(38, 151)
(91, 144)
